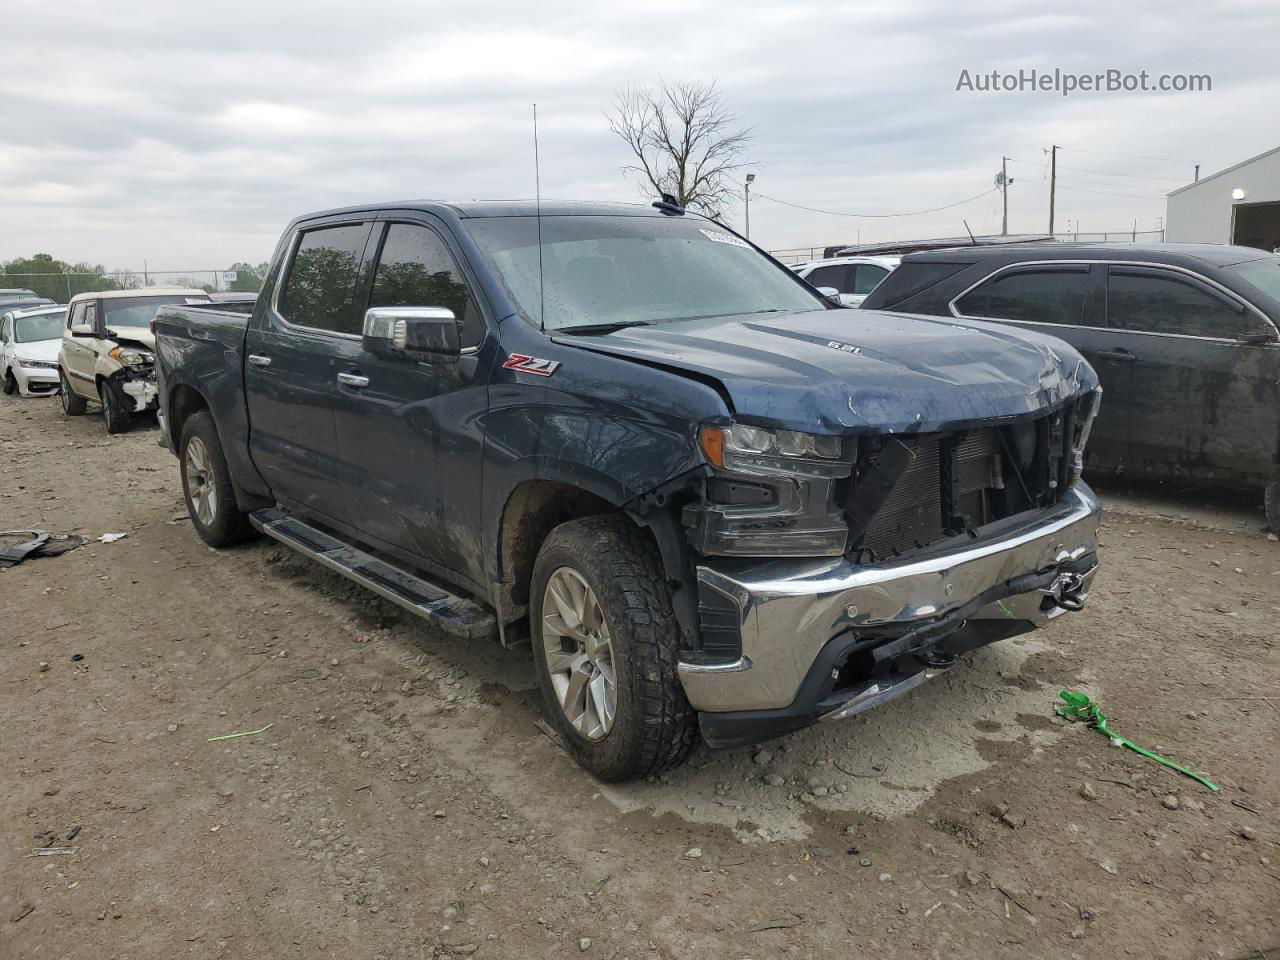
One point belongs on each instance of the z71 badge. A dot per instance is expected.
(534, 365)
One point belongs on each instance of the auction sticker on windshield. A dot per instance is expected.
(719, 237)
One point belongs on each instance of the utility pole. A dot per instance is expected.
(1197, 180)
(746, 195)
(1053, 183)
(1004, 182)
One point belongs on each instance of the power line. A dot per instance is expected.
(1066, 185)
(876, 216)
(1127, 156)
(1104, 173)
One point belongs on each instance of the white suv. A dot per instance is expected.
(29, 350)
(108, 351)
(853, 277)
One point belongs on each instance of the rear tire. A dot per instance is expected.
(73, 405)
(114, 410)
(608, 565)
(1272, 505)
(206, 485)
(10, 383)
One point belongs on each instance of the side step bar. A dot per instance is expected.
(453, 614)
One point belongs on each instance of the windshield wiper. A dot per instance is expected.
(598, 329)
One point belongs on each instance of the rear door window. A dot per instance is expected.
(320, 288)
(1055, 295)
(1149, 301)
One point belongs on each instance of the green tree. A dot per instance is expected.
(248, 277)
(55, 279)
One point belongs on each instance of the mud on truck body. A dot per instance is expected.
(713, 500)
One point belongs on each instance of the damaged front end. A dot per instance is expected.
(135, 375)
(907, 550)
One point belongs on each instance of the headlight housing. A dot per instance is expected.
(36, 364)
(773, 493)
(131, 356)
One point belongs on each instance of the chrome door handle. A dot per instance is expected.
(259, 359)
(353, 380)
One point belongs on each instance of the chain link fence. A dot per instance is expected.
(61, 287)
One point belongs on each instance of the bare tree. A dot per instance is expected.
(686, 142)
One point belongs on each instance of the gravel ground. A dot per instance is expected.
(404, 802)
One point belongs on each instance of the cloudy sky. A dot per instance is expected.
(187, 135)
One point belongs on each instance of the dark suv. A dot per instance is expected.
(1183, 337)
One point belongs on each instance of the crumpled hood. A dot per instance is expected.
(46, 350)
(139, 335)
(862, 370)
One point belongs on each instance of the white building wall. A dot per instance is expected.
(1203, 213)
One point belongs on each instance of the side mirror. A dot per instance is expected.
(427, 334)
(83, 330)
(831, 293)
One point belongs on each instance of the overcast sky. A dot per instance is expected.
(189, 134)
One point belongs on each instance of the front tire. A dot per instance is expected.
(605, 643)
(73, 405)
(206, 485)
(114, 410)
(1272, 505)
(10, 383)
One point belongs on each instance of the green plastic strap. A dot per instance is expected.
(1078, 707)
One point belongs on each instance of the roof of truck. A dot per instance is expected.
(472, 209)
(144, 292)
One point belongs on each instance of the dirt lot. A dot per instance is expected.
(403, 802)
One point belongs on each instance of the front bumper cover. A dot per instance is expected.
(794, 614)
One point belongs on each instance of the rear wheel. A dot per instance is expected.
(73, 405)
(114, 406)
(206, 484)
(1273, 505)
(605, 644)
(10, 384)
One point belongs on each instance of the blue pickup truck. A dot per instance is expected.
(712, 500)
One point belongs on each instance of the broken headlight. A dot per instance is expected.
(1086, 411)
(773, 493)
(130, 357)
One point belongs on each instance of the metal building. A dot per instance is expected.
(1240, 205)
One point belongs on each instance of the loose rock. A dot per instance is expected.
(763, 758)
(1171, 802)
(693, 853)
(773, 780)
(584, 944)
(1087, 791)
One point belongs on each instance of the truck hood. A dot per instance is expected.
(853, 371)
(139, 335)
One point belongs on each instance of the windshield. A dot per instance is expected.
(1263, 274)
(612, 270)
(42, 326)
(138, 311)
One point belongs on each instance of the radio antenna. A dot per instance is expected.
(537, 188)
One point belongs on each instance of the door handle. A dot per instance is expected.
(259, 359)
(353, 380)
(1124, 356)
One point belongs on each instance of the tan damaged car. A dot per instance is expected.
(108, 351)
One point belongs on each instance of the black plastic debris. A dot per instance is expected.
(19, 545)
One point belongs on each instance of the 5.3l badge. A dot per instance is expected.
(534, 365)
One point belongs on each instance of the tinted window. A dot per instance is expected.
(833, 276)
(1041, 296)
(1163, 304)
(136, 311)
(867, 277)
(1263, 274)
(910, 279)
(416, 269)
(320, 290)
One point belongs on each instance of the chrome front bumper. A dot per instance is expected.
(790, 609)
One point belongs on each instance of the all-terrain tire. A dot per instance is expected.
(1272, 501)
(224, 524)
(654, 728)
(73, 405)
(10, 383)
(114, 409)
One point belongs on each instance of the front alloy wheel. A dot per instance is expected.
(579, 654)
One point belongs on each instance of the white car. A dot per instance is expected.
(29, 341)
(107, 354)
(853, 277)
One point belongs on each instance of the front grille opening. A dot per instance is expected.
(909, 492)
